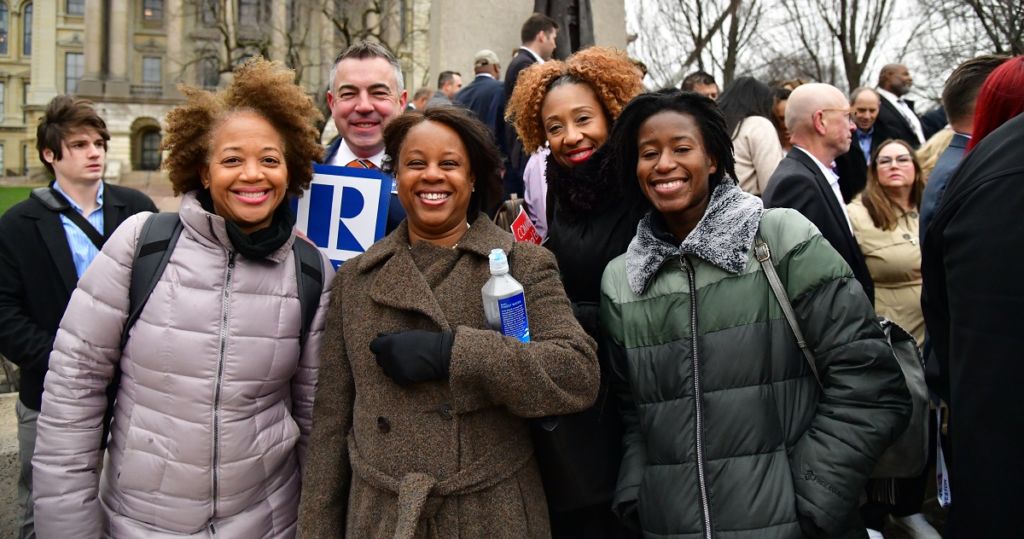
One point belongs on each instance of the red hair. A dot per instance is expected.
(1000, 99)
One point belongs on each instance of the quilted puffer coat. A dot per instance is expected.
(727, 434)
(214, 405)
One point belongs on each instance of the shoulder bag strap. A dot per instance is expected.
(156, 242)
(764, 256)
(54, 201)
(310, 276)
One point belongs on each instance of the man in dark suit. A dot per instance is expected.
(852, 166)
(46, 243)
(367, 91)
(538, 36)
(485, 96)
(896, 117)
(818, 119)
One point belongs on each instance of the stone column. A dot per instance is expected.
(95, 48)
(278, 27)
(44, 53)
(174, 60)
(118, 84)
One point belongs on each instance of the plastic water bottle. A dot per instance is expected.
(504, 301)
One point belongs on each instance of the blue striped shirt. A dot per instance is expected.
(82, 249)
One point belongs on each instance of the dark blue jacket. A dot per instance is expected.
(943, 171)
(485, 96)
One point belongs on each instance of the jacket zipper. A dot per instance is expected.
(225, 301)
(698, 404)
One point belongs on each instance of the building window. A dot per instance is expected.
(74, 66)
(3, 101)
(249, 12)
(75, 7)
(4, 26)
(26, 30)
(152, 10)
(3, 172)
(150, 158)
(208, 12)
(209, 72)
(24, 101)
(152, 70)
(24, 159)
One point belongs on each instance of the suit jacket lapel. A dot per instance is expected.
(51, 229)
(826, 190)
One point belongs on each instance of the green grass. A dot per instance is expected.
(10, 196)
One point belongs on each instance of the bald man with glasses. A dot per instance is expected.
(819, 122)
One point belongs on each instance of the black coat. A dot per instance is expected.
(584, 241)
(799, 184)
(37, 276)
(486, 98)
(517, 157)
(892, 124)
(973, 303)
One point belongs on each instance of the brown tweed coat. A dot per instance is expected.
(450, 458)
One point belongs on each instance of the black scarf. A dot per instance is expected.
(584, 188)
(263, 242)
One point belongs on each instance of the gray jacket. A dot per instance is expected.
(214, 404)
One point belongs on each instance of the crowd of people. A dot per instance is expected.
(705, 356)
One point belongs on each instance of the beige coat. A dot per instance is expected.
(758, 153)
(893, 258)
(451, 458)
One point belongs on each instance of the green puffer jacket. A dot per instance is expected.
(727, 434)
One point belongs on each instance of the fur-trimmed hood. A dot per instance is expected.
(723, 237)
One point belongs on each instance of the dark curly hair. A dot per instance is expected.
(260, 86)
(710, 121)
(484, 158)
(609, 72)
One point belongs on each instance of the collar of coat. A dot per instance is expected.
(212, 229)
(397, 282)
(723, 237)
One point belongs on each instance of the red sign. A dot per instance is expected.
(523, 228)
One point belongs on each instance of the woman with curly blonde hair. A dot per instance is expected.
(591, 217)
(217, 373)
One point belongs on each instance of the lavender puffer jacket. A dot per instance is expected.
(214, 405)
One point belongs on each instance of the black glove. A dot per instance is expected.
(413, 356)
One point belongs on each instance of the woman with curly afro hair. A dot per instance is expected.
(217, 374)
(591, 216)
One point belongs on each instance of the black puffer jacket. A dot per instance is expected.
(590, 221)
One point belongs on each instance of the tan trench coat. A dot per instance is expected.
(450, 458)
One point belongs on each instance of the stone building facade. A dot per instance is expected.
(128, 56)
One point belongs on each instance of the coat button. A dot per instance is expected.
(383, 425)
(446, 411)
(907, 236)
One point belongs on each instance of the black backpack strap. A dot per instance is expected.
(156, 242)
(54, 201)
(309, 275)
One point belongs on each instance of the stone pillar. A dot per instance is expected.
(278, 28)
(173, 58)
(92, 80)
(44, 53)
(118, 84)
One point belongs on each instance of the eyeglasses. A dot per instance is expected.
(846, 113)
(901, 160)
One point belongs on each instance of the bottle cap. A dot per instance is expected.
(499, 262)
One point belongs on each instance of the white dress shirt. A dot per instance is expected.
(344, 156)
(833, 182)
(535, 55)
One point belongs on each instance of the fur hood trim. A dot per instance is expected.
(722, 237)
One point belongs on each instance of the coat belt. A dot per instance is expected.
(415, 489)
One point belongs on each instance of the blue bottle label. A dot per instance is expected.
(513, 317)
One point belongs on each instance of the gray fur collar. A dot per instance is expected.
(722, 237)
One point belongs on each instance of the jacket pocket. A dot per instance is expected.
(141, 467)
